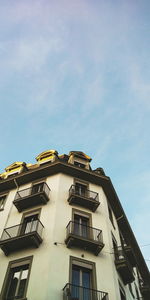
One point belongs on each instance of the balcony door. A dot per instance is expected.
(29, 224)
(81, 283)
(81, 189)
(81, 224)
(37, 188)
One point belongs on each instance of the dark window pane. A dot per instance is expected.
(37, 188)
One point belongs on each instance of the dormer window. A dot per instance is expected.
(78, 164)
(79, 159)
(47, 157)
(14, 169)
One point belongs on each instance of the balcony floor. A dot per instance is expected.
(28, 240)
(73, 240)
(31, 201)
(83, 201)
(125, 271)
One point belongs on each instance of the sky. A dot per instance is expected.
(75, 75)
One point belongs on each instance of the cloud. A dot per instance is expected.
(76, 73)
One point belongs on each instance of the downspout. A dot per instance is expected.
(17, 186)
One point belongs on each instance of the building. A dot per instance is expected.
(64, 234)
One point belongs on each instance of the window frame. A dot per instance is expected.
(121, 290)
(76, 163)
(111, 215)
(114, 245)
(3, 201)
(12, 265)
(131, 289)
(82, 182)
(38, 181)
(29, 213)
(137, 291)
(82, 214)
(83, 264)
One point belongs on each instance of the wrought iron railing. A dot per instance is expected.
(22, 229)
(75, 292)
(143, 285)
(42, 187)
(15, 298)
(75, 190)
(84, 231)
(119, 253)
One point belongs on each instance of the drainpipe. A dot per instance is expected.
(17, 186)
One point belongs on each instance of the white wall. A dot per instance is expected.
(50, 267)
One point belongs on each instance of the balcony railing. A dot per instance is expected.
(82, 236)
(83, 197)
(75, 292)
(129, 253)
(144, 289)
(21, 236)
(123, 265)
(15, 298)
(32, 196)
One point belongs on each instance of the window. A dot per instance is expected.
(37, 187)
(16, 280)
(2, 201)
(130, 288)
(80, 189)
(30, 222)
(82, 223)
(78, 164)
(122, 293)
(115, 247)
(137, 292)
(82, 278)
(111, 216)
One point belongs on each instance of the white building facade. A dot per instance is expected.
(64, 234)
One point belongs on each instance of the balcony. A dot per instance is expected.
(130, 255)
(83, 197)
(36, 195)
(19, 237)
(75, 292)
(144, 289)
(85, 237)
(123, 266)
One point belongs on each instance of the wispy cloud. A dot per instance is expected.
(76, 74)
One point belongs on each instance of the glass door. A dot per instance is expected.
(81, 283)
(81, 226)
(37, 188)
(80, 189)
(29, 224)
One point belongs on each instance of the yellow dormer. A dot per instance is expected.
(79, 159)
(15, 168)
(47, 156)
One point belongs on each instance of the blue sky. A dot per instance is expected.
(75, 75)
